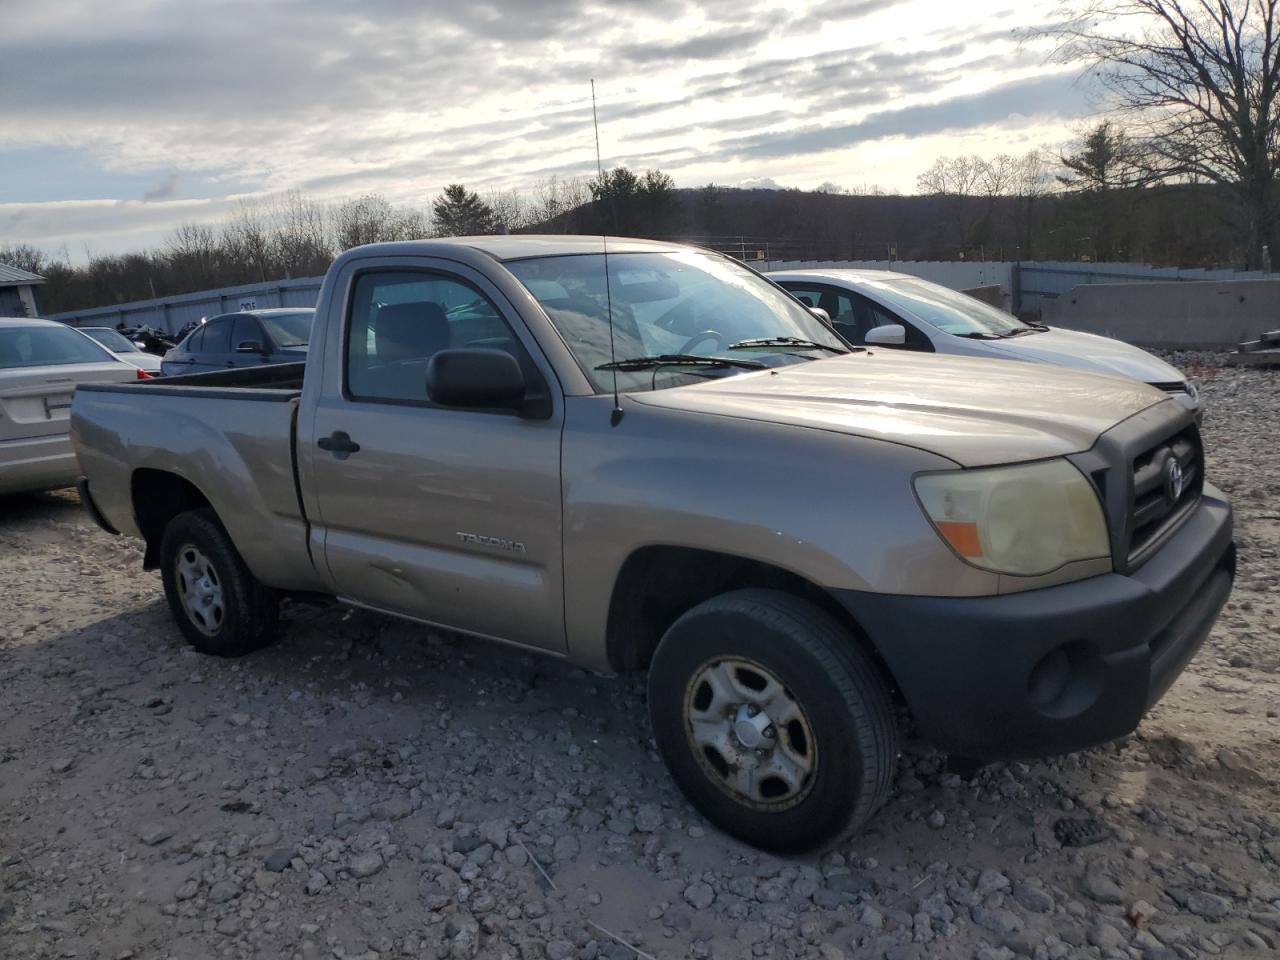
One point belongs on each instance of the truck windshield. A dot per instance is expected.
(665, 304)
(289, 329)
(948, 310)
(47, 346)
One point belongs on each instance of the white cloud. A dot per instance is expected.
(404, 96)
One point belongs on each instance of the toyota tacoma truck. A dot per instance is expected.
(637, 455)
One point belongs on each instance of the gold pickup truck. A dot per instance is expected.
(646, 456)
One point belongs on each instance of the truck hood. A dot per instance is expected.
(1086, 351)
(972, 411)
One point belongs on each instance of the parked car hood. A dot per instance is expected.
(1086, 351)
(970, 410)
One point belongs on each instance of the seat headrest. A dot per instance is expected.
(410, 331)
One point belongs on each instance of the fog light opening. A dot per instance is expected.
(1066, 681)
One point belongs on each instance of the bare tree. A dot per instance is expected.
(23, 256)
(553, 198)
(246, 244)
(1032, 182)
(371, 219)
(510, 212)
(952, 176)
(192, 252)
(299, 237)
(1201, 79)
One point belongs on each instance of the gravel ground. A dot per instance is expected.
(369, 789)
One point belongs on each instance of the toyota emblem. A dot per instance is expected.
(1173, 480)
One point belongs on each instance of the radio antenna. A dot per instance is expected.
(616, 416)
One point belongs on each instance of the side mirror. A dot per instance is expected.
(249, 346)
(475, 377)
(889, 335)
(821, 314)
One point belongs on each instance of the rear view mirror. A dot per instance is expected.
(475, 377)
(249, 346)
(820, 314)
(889, 335)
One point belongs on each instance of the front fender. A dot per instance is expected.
(835, 510)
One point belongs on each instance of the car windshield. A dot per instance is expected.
(682, 302)
(113, 340)
(289, 329)
(948, 310)
(46, 347)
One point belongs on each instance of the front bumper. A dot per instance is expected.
(1059, 669)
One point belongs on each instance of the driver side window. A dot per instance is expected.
(400, 319)
(853, 315)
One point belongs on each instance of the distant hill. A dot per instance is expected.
(1185, 225)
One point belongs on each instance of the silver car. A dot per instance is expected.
(41, 362)
(883, 308)
(124, 348)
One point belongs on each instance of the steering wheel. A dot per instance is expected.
(697, 338)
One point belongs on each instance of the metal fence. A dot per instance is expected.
(171, 314)
(1029, 283)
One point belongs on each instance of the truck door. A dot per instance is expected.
(447, 515)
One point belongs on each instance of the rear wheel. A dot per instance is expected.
(218, 604)
(773, 721)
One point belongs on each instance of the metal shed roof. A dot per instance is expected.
(13, 277)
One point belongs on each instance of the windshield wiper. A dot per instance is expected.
(978, 335)
(679, 360)
(784, 342)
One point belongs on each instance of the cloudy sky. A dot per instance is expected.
(121, 119)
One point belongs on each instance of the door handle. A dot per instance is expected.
(339, 443)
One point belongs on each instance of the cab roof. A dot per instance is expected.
(519, 246)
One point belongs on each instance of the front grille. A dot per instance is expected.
(1155, 505)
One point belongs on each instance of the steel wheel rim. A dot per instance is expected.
(750, 734)
(200, 590)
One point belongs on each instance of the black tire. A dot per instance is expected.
(246, 618)
(842, 700)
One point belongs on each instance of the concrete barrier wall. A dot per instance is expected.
(1197, 314)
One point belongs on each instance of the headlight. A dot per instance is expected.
(1027, 519)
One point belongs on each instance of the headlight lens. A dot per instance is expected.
(1027, 520)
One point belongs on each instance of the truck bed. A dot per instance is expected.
(237, 383)
(228, 434)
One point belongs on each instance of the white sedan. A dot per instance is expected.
(879, 307)
(41, 362)
(124, 348)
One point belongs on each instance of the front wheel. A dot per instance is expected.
(218, 604)
(772, 720)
